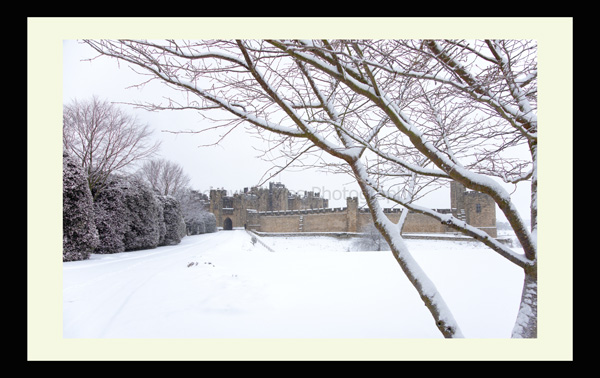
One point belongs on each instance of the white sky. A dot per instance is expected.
(233, 164)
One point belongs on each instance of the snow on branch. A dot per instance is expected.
(457, 224)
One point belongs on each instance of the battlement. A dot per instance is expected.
(302, 211)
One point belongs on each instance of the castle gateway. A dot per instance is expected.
(275, 209)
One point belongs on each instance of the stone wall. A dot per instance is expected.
(345, 220)
(247, 211)
(325, 222)
(480, 212)
(338, 220)
(311, 220)
(278, 223)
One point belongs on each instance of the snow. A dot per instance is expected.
(308, 287)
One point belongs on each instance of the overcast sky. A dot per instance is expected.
(233, 164)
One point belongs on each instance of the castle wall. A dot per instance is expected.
(273, 210)
(414, 223)
(324, 222)
(279, 223)
(421, 223)
(338, 221)
(312, 220)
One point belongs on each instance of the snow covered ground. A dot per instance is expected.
(221, 285)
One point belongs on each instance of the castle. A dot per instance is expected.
(276, 210)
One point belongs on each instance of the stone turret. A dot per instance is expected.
(475, 208)
(457, 199)
(216, 204)
(352, 214)
(278, 195)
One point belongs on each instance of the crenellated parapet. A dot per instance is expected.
(303, 211)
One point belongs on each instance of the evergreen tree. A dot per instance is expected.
(80, 236)
(175, 228)
(193, 206)
(111, 215)
(210, 222)
(144, 216)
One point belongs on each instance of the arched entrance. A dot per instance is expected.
(228, 224)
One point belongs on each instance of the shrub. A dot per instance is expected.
(162, 227)
(144, 216)
(200, 223)
(210, 222)
(111, 216)
(175, 227)
(80, 236)
(370, 240)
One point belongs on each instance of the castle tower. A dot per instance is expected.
(222, 207)
(457, 199)
(480, 210)
(475, 208)
(216, 204)
(278, 197)
(262, 198)
(352, 214)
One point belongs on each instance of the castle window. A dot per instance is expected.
(478, 208)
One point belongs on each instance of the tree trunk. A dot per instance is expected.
(526, 323)
(444, 320)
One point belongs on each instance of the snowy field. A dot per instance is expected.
(221, 285)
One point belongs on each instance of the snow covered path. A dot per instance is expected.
(123, 294)
(307, 288)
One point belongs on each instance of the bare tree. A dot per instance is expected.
(391, 112)
(164, 176)
(370, 240)
(104, 139)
